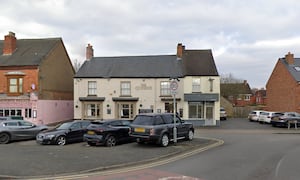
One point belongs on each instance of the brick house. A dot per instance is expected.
(283, 86)
(36, 79)
(239, 94)
(121, 87)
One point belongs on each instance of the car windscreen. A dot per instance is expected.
(64, 126)
(143, 120)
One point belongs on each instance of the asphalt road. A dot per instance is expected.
(250, 151)
(27, 159)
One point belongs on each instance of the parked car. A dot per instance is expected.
(223, 114)
(254, 115)
(108, 133)
(11, 130)
(265, 117)
(64, 133)
(158, 128)
(283, 118)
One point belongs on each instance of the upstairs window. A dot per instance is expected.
(125, 88)
(15, 85)
(165, 88)
(196, 85)
(92, 88)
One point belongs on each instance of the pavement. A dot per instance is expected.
(28, 160)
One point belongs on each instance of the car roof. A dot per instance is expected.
(154, 114)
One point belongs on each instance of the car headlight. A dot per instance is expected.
(50, 136)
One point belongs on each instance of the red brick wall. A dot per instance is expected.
(282, 90)
(30, 77)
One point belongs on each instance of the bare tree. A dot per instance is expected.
(229, 78)
(76, 65)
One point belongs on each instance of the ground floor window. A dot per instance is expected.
(126, 110)
(169, 106)
(196, 110)
(28, 113)
(10, 112)
(203, 110)
(93, 110)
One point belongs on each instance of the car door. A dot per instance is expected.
(182, 128)
(124, 129)
(27, 130)
(75, 132)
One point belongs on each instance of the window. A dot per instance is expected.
(196, 110)
(93, 110)
(15, 85)
(125, 88)
(196, 85)
(92, 88)
(28, 113)
(165, 88)
(247, 97)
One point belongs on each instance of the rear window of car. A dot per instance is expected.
(143, 120)
(264, 113)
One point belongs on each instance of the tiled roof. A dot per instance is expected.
(294, 69)
(196, 63)
(234, 89)
(29, 52)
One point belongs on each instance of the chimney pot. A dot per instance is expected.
(89, 52)
(10, 44)
(290, 58)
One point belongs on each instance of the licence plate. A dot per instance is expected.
(139, 129)
(91, 132)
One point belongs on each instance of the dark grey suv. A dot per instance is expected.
(158, 128)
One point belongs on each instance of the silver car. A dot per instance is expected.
(11, 130)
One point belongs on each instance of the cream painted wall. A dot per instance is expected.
(147, 90)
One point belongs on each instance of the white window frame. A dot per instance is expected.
(92, 88)
(196, 85)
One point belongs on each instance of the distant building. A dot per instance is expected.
(36, 79)
(283, 86)
(121, 87)
(239, 94)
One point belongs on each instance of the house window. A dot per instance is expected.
(92, 88)
(196, 110)
(196, 85)
(93, 110)
(126, 110)
(165, 88)
(15, 85)
(28, 113)
(247, 97)
(125, 88)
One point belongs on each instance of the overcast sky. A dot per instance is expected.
(246, 37)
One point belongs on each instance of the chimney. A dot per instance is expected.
(89, 52)
(290, 58)
(10, 44)
(180, 50)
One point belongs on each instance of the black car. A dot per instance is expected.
(65, 133)
(108, 133)
(159, 128)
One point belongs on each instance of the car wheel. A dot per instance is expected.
(111, 141)
(4, 138)
(190, 135)
(164, 142)
(61, 140)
